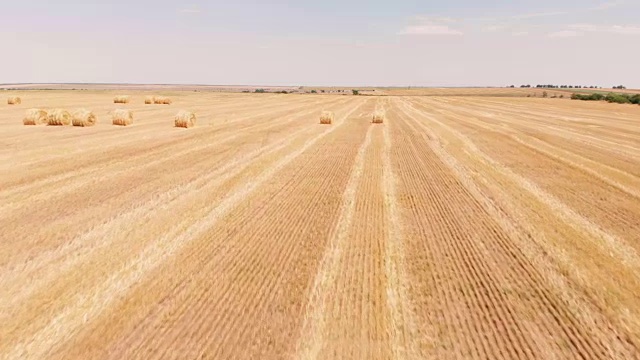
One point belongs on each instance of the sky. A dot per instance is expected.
(322, 43)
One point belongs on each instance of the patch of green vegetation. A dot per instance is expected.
(616, 98)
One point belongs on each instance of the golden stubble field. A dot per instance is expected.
(461, 228)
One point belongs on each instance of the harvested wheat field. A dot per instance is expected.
(459, 228)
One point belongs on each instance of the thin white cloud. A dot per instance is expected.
(629, 30)
(538, 15)
(564, 34)
(520, 33)
(612, 29)
(583, 27)
(429, 30)
(431, 25)
(607, 5)
(435, 19)
(189, 11)
(495, 28)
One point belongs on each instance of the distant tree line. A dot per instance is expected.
(559, 87)
(550, 86)
(567, 87)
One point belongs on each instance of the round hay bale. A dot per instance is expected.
(185, 119)
(58, 117)
(14, 100)
(35, 117)
(82, 117)
(378, 117)
(326, 117)
(122, 117)
(121, 99)
(162, 100)
(149, 99)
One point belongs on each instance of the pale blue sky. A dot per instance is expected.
(350, 43)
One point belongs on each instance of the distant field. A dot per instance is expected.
(490, 92)
(606, 91)
(484, 92)
(483, 226)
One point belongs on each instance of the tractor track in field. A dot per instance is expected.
(615, 210)
(110, 192)
(168, 157)
(578, 139)
(491, 265)
(82, 308)
(611, 243)
(459, 228)
(79, 165)
(561, 149)
(78, 246)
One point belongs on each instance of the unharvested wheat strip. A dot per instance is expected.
(313, 330)
(145, 162)
(624, 252)
(65, 324)
(404, 334)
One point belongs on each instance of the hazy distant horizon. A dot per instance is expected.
(459, 43)
(292, 86)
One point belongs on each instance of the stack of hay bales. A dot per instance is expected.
(82, 117)
(378, 117)
(149, 99)
(185, 119)
(326, 117)
(121, 99)
(35, 117)
(122, 117)
(162, 100)
(58, 117)
(14, 100)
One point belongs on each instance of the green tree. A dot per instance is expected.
(355, 92)
(617, 98)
